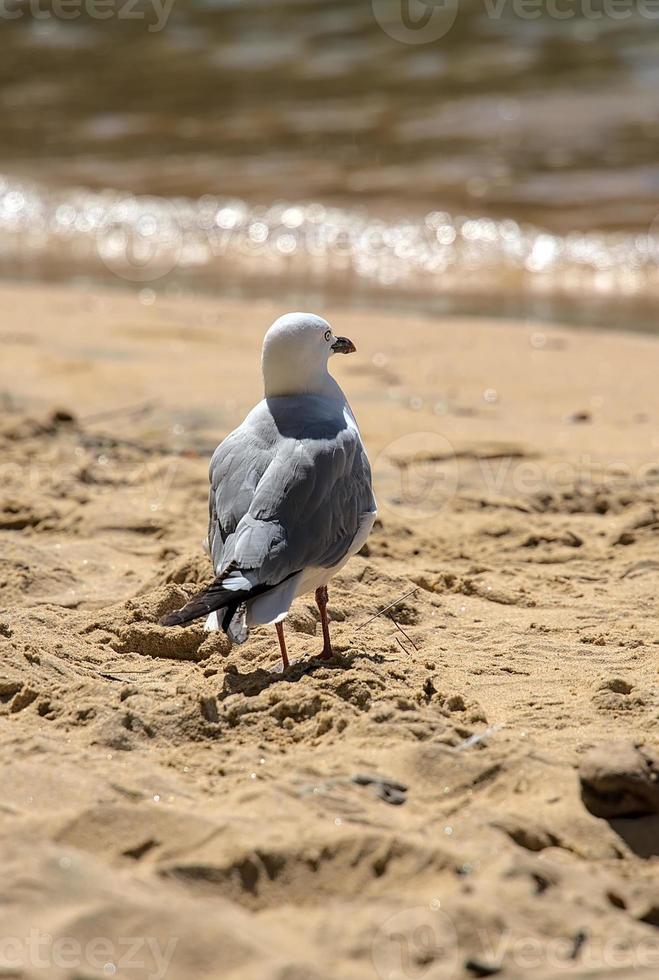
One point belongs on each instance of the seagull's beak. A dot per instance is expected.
(343, 346)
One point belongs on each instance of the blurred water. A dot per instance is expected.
(512, 157)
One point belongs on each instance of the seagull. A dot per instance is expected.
(291, 498)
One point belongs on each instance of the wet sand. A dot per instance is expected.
(160, 785)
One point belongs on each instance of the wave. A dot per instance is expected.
(217, 242)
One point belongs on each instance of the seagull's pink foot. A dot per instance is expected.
(285, 663)
(321, 602)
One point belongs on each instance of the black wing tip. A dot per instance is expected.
(194, 609)
(171, 619)
(180, 617)
(213, 599)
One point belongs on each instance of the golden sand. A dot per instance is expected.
(157, 784)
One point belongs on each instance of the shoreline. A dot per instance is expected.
(587, 312)
(437, 263)
(158, 781)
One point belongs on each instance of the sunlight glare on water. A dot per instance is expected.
(303, 142)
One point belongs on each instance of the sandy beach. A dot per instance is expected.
(416, 809)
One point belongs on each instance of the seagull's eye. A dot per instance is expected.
(328, 334)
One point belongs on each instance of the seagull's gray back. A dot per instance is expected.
(289, 488)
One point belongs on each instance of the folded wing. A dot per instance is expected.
(281, 503)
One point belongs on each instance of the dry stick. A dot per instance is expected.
(128, 410)
(397, 639)
(101, 440)
(113, 442)
(479, 737)
(390, 606)
(398, 626)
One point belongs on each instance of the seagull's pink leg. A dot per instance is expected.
(321, 601)
(282, 644)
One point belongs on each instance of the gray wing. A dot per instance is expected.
(289, 489)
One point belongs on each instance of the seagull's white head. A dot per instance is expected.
(296, 350)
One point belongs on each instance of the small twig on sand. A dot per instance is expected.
(479, 737)
(128, 410)
(390, 606)
(99, 441)
(398, 641)
(399, 627)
